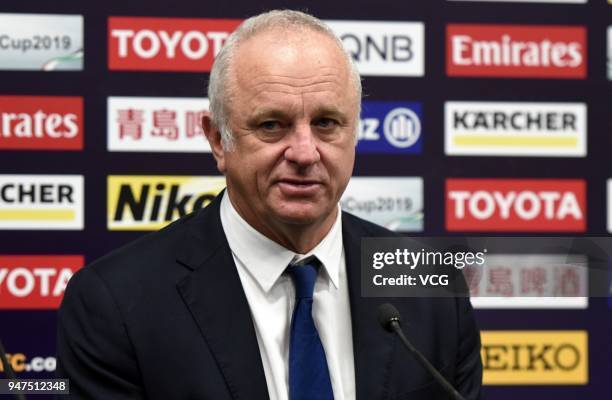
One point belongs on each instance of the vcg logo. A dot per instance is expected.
(535, 357)
(384, 48)
(41, 202)
(166, 44)
(516, 51)
(514, 205)
(150, 202)
(41, 123)
(390, 127)
(35, 282)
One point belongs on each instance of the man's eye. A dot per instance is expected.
(326, 123)
(270, 125)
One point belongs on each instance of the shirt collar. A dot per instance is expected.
(265, 260)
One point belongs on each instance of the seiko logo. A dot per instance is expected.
(543, 356)
(535, 357)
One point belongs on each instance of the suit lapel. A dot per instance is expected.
(372, 346)
(214, 295)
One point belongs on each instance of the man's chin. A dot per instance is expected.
(301, 214)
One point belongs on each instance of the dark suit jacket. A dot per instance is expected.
(166, 318)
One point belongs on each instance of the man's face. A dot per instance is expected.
(292, 111)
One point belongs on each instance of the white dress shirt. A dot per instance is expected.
(270, 292)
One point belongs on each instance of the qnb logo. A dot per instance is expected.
(535, 357)
(20, 363)
(516, 51)
(390, 127)
(394, 48)
(383, 48)
(166, 44)
(150, 202)
(35, 282)
(515, 205)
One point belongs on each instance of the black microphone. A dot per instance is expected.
(389, 319)
(10, 374)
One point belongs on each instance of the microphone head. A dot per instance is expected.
(387, 314)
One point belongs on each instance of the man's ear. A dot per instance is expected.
(213, 134)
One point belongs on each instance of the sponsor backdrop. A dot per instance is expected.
(487, 117)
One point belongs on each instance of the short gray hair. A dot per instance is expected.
(275, 19)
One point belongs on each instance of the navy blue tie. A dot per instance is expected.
(308, 372)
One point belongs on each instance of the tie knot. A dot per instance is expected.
(304, 277)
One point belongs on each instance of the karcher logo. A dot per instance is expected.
(516, 129)
(41, 202)
(151, 202)
(535, 357)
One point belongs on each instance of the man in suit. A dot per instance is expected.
(257, 295)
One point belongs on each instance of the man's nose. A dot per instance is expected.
(302, 147)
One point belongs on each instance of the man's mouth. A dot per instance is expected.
(299, 187)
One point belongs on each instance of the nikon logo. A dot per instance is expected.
(535, 357)
(151, 202)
